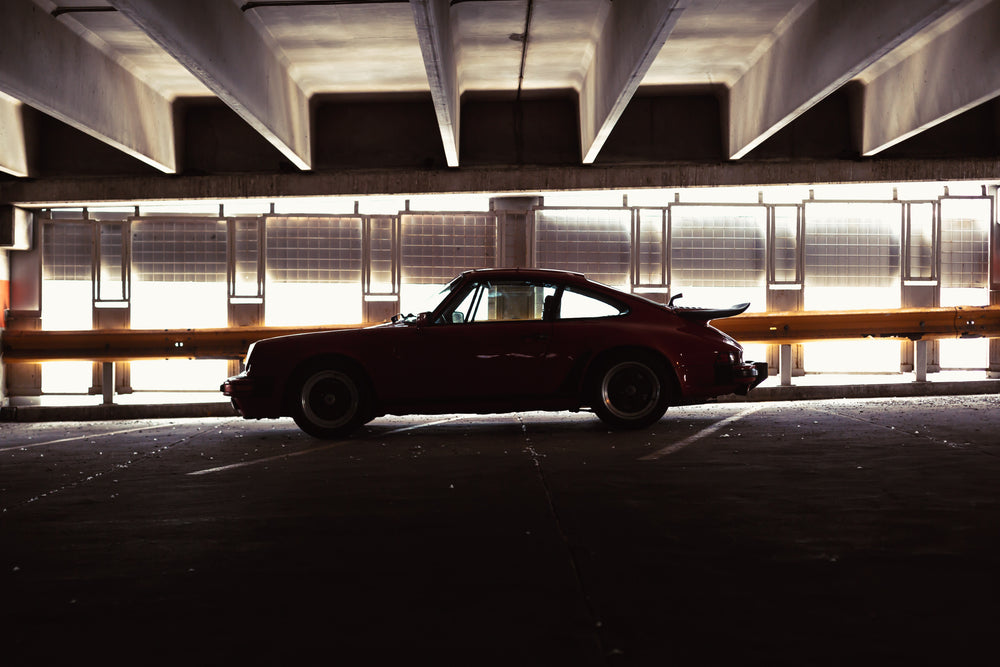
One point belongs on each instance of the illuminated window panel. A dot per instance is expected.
(964, 242)
(67, 260)
(595, 242)
(436, 247)
(179, 281)
(313, 270)
(717, 246)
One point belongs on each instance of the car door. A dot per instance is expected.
(492, 343)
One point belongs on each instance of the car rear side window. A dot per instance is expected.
(578, 305)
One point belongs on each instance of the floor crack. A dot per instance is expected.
(588, 604)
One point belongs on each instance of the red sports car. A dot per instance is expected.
(500, 340)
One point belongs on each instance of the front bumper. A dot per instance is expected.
(251, 396)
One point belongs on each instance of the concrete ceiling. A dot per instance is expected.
(130, 99)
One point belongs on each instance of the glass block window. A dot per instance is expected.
(438, 246)
(181, 251)
(965, 236)
(717, 246)
(113, 285)
(921, 242)
(382, 265)
(786, 256)
(68, 250)
(853, 244)
(246, 251)
(314, 249)
(596, 242)
(651, 260)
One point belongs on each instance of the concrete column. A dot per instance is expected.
(4, 306)
(108, 382)
(920, 363)
(920, 296)
(993, 370)
(25, 311)
(111, 318)
(785, 364)
(514, 230)
(785, 300)
(994, 362)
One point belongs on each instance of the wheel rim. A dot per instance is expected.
(329, 399)
(630, 390)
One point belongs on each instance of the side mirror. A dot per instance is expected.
(458, 318)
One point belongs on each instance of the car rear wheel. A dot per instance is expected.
(630, 392)
(330, 402)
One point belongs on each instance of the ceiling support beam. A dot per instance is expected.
(13, 142)
(220, 46)
(358, 182)
(94, 93)
(959, 68)
(433, 22)
(818, 50)
(630, 40)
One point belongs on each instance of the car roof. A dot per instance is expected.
(529, 274)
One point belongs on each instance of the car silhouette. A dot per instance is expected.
(500, 340)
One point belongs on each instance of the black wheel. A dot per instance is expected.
(630, 392)
(330, 402)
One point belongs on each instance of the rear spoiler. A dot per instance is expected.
(708, 314)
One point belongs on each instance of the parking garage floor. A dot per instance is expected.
(823, 532)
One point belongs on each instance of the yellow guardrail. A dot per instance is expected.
(32, 346)
(907, 323)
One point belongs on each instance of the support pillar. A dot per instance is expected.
(785, 364)
(920, 359)
(514, 230)
(786, 358)
(993, 370)
(108, 382)
(920, 296)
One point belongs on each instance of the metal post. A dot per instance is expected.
(785, 364)
(920, 359)
(108, 382)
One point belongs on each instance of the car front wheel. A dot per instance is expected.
(330, 402)
(630, 393)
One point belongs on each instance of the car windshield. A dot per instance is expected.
(428, 303)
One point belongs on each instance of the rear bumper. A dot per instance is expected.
(744, 377)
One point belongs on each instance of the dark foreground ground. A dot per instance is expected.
(841, 532)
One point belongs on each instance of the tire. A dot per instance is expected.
(330, 402)
(630, 392)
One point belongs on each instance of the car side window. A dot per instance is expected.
(578, 305)
(502, 301)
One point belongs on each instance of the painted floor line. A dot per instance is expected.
(312, 450)
(703, 433)
(79, 437)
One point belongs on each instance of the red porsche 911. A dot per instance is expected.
(500, 340)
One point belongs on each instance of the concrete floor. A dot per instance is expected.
(828, 532)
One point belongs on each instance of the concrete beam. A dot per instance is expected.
(46, 65)
(526, 179)
(13, 145)
(818, 50)
(959, 68)
(433, 22)
(630, 40)
(220, 45)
